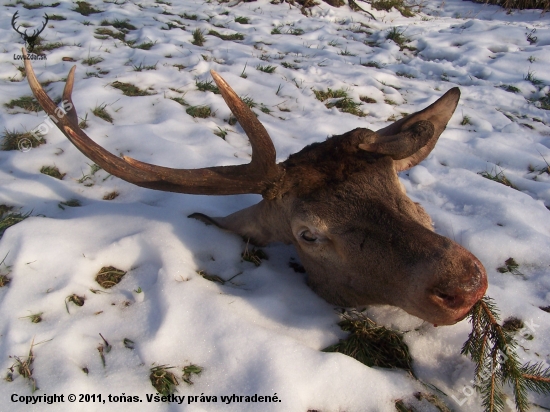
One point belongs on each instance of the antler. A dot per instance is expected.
(24, 34)
(13, 19)
(258, 176)
(38, 31)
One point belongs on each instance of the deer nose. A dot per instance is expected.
(449, 299)
(461, 293)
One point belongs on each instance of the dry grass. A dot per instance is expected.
(4, 280)
(24, 366)
(518, 4)
(497, 177)
(254, 255)
(163, 380)
(74, 298)
(12, 140)
(111, 195)
(85, 8)
(109, 276)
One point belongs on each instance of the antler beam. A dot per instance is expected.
(256, 177)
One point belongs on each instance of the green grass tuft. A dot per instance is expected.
(266, 69)
(198, 38)
(188, 16)
(90, 61)
(102, 33)
(288, 65)
(376, 65)
(221, 132)
(371, 344)
(10, 219)
(85, 8)
(296, 32)
(129, 89)
(199, 111)
(180, 100)
(543, 5)
(20, 140)
(497, 177)
(397, 37)
(235, 36)
(387, 5)
(52, 171)
(207, 86)
(367, 99)
(466, 120)
(330, 94)
(189, 371)
(145, 46)
(56, 17)
(530, 77)
(511, 89)
(101, 112)
(510, 266)
(69, 203)
(242, 20)
(344, 104)
(119, 24)
(28, 103)
(347, 105)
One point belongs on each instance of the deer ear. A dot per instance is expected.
(260, 224)
(438, 114)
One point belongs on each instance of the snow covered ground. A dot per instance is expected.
(263, 332)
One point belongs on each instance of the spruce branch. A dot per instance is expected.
(493, 350)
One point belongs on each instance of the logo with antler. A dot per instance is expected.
(29, 39)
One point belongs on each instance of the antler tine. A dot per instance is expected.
(13, 20)
(221, 180)
(263, 151)
(38, 31)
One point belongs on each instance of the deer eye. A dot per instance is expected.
(308, 236)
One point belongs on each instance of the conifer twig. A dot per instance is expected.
(493, 350)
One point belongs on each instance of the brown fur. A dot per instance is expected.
(373, 244)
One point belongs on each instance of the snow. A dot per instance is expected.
(262, 332)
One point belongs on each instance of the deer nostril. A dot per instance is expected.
(450, 300)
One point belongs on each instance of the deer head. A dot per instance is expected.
(29, 39)
(340, 203)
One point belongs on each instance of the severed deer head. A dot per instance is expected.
(360, 238)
